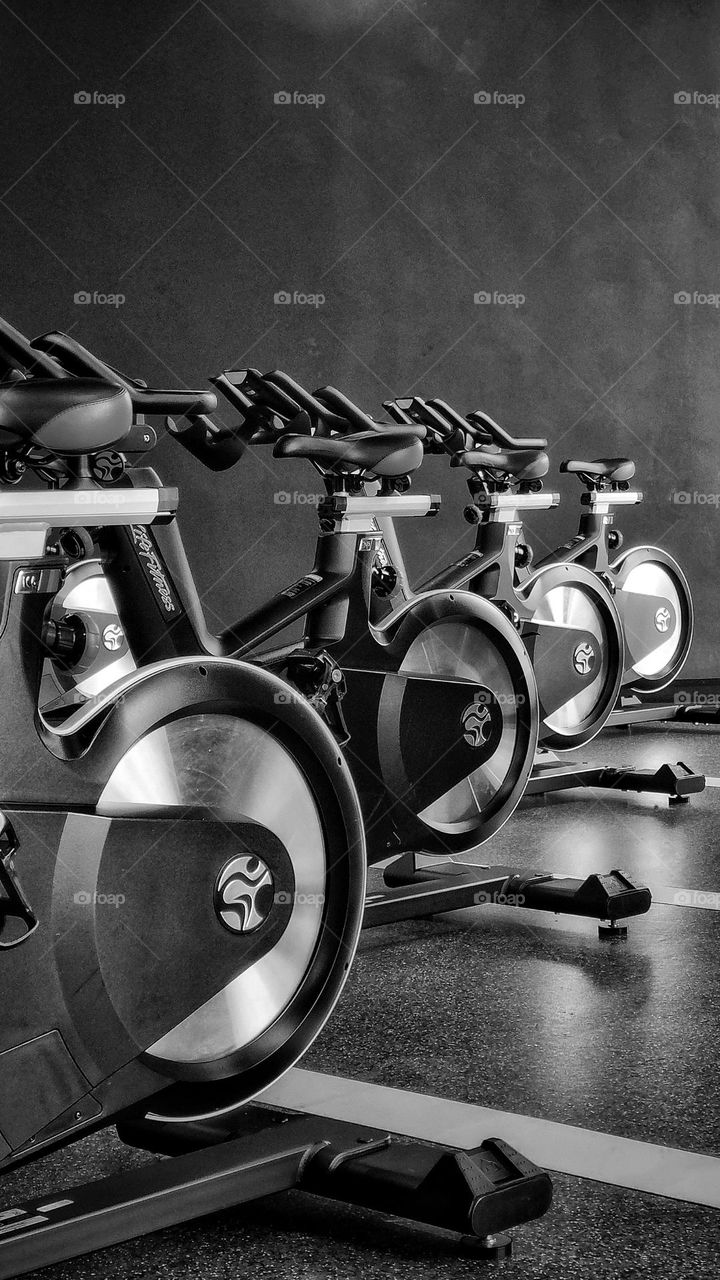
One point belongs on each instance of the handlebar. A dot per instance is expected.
(344, 407)
(77, 360)
(265, 395)
(455, 420)
(323, 420)
(17, 350)
(355, 420)
(399, 410)
(492, 432)
(246, 391)
(445, 436)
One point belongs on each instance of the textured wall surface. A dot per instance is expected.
(420, 181)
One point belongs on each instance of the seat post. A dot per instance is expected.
(336, 558)
(80, 475)
(352, 536)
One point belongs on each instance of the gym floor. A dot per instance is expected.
(523, 1013)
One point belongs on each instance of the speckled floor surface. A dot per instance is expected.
(519, 1011)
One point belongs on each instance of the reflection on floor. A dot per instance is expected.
(521, 1012)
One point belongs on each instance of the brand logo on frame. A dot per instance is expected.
(150, 562)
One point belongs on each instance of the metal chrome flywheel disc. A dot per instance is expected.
(233, 769)
(651, 579)
(569, 607)
(493, 720)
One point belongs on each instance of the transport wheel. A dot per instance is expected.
(575, 641)
(277, 770)
(656, 611)
(457, 737)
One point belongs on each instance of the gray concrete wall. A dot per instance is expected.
(398, 199)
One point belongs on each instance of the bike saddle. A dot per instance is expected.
(65, 416)
(520, 464)
(617, 469)
(397, 451)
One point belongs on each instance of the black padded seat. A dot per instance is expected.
(394, 451)
(617, 469)
(520, 464)
(64, 416)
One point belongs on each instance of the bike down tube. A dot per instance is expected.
(589, 546)
(486, 567)
(158, 601)
(490, 565)
(154, 588)
(338, 588)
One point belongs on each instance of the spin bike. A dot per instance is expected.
(560, 599)
(436, 704)
(414, 890)
(650, 590)
(182, 871)
(645, 618)
(460, 652)
(566, 619)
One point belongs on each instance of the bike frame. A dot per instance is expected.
(491, 571)
(591, 544)
(643, 610)
(644, 617)
(337, 601)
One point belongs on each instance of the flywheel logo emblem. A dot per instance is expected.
(113, 636)
(476, 721)
(584, 658)
(244, 894)
(663, 618)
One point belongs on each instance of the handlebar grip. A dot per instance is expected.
(455, 420)
(491, 431)
(17, 350)
(432, 417)
(442, 436)
(265, 394)
(80, 362)
(341, 405)
(285, 389)
(247, 392)
(189, 404)
(399, 411)
(323, 420)
(260, 424)
(230, 384)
